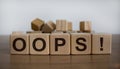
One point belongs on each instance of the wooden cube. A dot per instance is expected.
(85, 26)
(61, 25)
(39, 44)
(101, 43)
(37, 24)
(19, 44)
(64, 25)
(48, 27)
(80, 43)
(58, 25)
(60, 44)
(69, 26)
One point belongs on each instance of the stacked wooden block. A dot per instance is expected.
(43, 41)
(39, 25)
(63, 25)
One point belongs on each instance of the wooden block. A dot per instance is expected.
(61, 25)
(64, 25)
(19, 44)
(101, 43)
(37, 24)
(60, 44)
(80, 43)
(58, 25)
(39, 44)
(69, 26)
(85, 26)
(48, 27)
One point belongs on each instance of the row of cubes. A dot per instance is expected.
(60, 43)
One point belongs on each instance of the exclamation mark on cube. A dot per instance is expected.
(101, 43)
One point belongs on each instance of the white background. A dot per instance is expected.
(16, 15)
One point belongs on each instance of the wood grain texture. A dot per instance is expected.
(69, 26)
(85, 26)
(58, 25)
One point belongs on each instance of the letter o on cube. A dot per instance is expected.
(19, 44)
(39, 44)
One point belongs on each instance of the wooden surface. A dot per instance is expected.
(8, 61)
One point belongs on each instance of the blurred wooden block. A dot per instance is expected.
(48, 27)
(64, 25)
(101, 43)
(58, 25)
(37, 24)
(85, 26)
(80, 43)
(19, 44)
(69, 26)
(60, 44)
(61, 25)
(39, 44)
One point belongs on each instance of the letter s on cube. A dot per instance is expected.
(80, 43)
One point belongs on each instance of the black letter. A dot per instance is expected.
(56, 43)
(44, 44)
(14, 44)
(81, 44)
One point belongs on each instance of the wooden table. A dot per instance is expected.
(8, 61)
